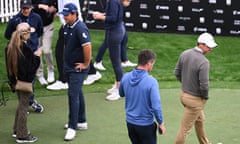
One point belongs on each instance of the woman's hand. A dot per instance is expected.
(38, 52)
(98, 15)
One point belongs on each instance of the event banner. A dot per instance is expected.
(219, 17)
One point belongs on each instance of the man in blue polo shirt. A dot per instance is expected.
(77, 57)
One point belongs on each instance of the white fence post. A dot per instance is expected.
(1, 9)
(8, 8)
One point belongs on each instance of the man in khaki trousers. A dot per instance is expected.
(192, 70)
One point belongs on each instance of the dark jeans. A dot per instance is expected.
(124, 48)
(142, 134)
(103, 47)
(20, 123)
(77, 113)
(114, 40)
(32, 97)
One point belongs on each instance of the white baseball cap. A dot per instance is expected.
(207, 39)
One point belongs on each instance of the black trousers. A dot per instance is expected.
(59, 55)
(142, 134)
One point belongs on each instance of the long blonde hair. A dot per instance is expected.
(21, 35)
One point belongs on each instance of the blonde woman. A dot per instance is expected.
(23, 64)
(27, 15)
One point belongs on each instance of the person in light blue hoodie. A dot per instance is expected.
(142, 101)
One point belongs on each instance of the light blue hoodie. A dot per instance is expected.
(142, 98)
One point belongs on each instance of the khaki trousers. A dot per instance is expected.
(193, 115)
(45, 42)
(20, 124)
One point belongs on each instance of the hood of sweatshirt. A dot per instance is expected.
(136, 76)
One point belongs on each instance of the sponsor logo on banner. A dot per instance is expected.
(144, 16)
(180, 8)
(218, 30)
(127, 14)
(197, 10)
(202, 19)
(218, 21)
(218, 11)
(185, 18)
(212, 1)
(164, 17)
(161, 27)
(195, 1)
(237, 22)
(92, 2)
(200, 29)
(236, 12)
(143, 6)
(129, 24)
(181, 28)
(228, 2)
(144, 25)
(161, 7)
(235, 32)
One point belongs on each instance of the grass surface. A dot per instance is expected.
(224, 59)
(107, 119)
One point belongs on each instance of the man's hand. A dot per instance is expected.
(161, 129)
(80, 66)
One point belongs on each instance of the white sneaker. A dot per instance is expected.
(92, 78)
(80, 126)
(50, 78)
(42, 80)
(112, 90)
(114, 96)
(128, 64)
(58, 85)
(70, 134)
(99, 66)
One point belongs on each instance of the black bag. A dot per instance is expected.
(24, 86)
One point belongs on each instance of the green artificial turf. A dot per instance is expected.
(106, 120)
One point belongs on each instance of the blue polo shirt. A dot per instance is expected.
(76, 36)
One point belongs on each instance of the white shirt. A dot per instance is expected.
(198, 49)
